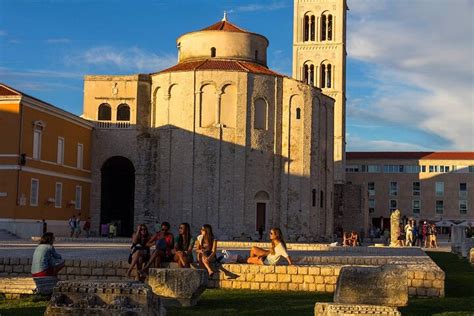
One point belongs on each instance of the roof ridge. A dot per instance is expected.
(242, 66)
(200, 64)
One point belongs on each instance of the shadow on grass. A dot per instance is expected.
(246, 302)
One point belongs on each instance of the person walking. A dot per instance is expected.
(72, 224)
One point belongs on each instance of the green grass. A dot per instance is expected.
(459, 298)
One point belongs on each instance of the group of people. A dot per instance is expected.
(422, 235)
(351, 239)
(179, 249)
(74, 223)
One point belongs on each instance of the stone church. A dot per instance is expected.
(220, 138)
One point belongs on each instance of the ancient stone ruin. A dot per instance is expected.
(394, 227)
(178, 287)
(104, 298)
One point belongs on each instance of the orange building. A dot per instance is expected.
(44, 164)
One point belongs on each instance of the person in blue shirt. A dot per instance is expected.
(46, 261)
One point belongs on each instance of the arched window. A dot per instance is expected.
(256, 55)
(326, 76)
(213, 52)
(298, 113)
(329, 76)
(105, 112)
(323, 76)
(306, 28)
(261, 114)
(309, 28)
(308, 73)
(326, 27)
(323, 27)
(123, 112)
(305, 73)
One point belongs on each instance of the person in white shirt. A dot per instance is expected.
(409, 234)
(272, 256)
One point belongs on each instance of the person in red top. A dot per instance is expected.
(164, 244)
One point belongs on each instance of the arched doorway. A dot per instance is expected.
(117, 194)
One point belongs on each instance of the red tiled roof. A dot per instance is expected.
(224, 26)
(409, 155)
(222, 64)
(5, 90)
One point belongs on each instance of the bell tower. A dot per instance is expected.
(319, 59)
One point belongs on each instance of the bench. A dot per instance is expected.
(15, 287)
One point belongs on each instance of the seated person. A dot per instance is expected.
(206, 248)
(183, 246)
(347, 239)
(164, 243)
(354, 239)
(272, 256)
(46, 261)
(139, 253)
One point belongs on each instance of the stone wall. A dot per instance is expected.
(424, 279)
(351, 212)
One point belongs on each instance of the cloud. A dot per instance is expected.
(131, 59)
(422, 64)
(38, 73)
(253, 7)
(3, 33)
(362, 144)
(58, 40)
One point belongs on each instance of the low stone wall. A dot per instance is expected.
(425, 278)
(424, 281)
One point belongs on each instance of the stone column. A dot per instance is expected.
(394, 227)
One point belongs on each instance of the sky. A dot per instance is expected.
(410, 64)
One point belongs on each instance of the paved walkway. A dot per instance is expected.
(119, 251)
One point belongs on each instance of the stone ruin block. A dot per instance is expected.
(335, 309)
(386, 285)
(178, 287)
(102, 297)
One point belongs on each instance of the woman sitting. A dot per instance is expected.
(347, 239)
(46, 261)
(164, 244)
(272, 256)
(183, 246)
(140, 252)
(206, 248)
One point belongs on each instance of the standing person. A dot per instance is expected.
(272, 256)
(72, 224)
(139, 253)
(112, 230)
(424, 234)
(206, 248)
(87, 226)
(164, 243)
(46, 261)
(183, 246)
(416, 234)
(78, 225)
(434, 236)
(45, 226)
(409, 234)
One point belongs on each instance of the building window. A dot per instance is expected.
(416, 206)
(105, 112)
(352, 168)
(326, 27)
(213, 52)
(330, 27)
(308, 73)
(261, 114)
(323, 27)
(37, 144)
(439, 206)
(416, 188)
(393, 189)
(371, 205)
(298, 113)
(439, 188)
(78, 199)
(321, 199)
(313, 28)
(412, 169)
(80, 153)
(256, 55)
(58, 195)
(393, 168)
(433, 168)
(329, 76)
(371, 188)
(373, 168)
(60, 156)
(123, 112)
(309, 28)
(471, 168)
(463, 207)
(423, 168)
(313, 197)
(326, 76)
(34, 192)
(462, 190)
(392, 205)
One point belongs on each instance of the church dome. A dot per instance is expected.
(223, 40)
